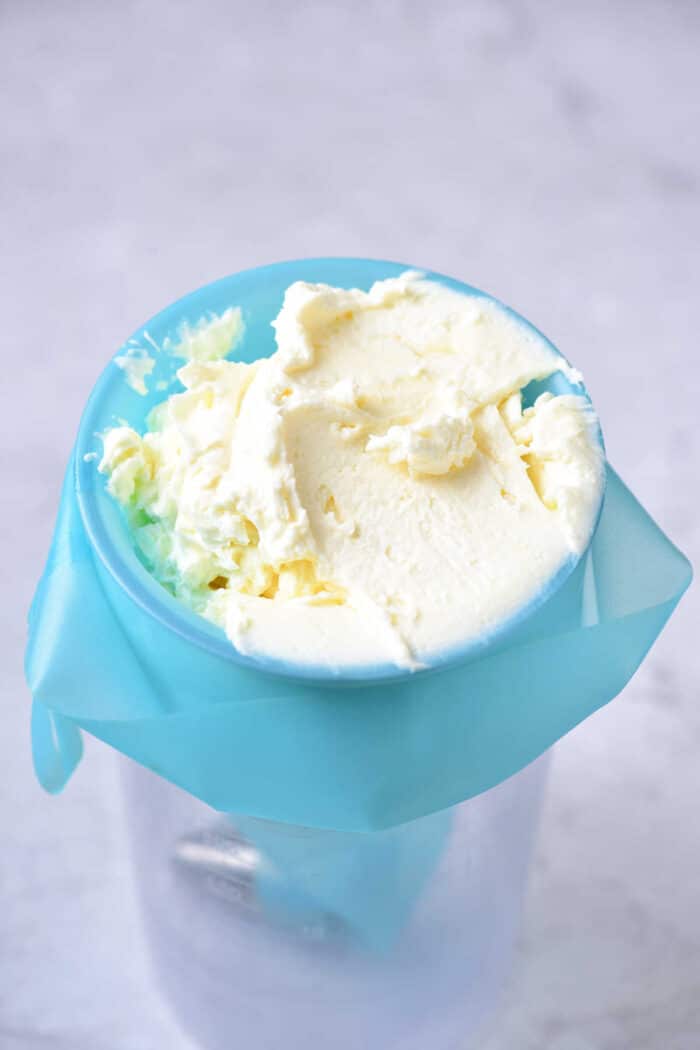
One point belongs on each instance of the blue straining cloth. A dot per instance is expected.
(167, 689)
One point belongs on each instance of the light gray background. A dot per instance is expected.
(547, 152)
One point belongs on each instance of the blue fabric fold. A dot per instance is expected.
(345, 757)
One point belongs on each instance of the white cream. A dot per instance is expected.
(371, 493)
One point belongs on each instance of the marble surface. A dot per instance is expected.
(548, 153)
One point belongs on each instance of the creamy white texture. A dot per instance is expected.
(371, 493)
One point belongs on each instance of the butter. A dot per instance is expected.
(374, 492)
(435, 443)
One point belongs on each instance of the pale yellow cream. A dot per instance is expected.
(374, 491)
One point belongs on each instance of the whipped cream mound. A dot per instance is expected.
(374, 492)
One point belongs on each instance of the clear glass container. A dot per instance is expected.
(267, 935)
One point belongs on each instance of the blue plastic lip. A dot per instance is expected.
(152, 597)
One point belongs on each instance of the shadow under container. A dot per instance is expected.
(267, 935)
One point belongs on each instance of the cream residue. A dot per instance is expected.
(210, 339)
(374, 491)
(137, 364)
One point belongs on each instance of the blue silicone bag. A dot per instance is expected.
(112, 653)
